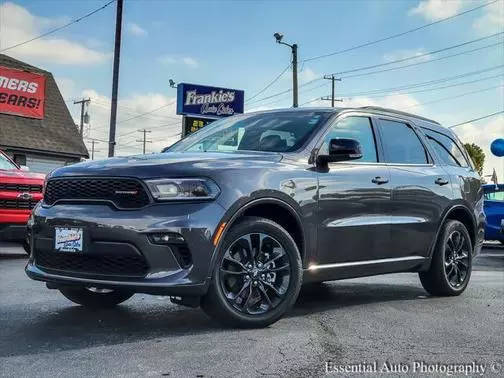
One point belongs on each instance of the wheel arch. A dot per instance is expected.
(273, 208)
(461, 213)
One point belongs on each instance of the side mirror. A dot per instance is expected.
(24, 168)
(341, 150)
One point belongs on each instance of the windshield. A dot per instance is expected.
(273, 132)
(6, 164)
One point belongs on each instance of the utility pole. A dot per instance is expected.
(83, 103)
(144, 140)
(333, 79)
(93, 142)
(115, 78)
(294, 76)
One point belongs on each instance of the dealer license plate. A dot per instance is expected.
(68, 239)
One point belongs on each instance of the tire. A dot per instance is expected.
(93, 299)
(229, 299)
(449, 272)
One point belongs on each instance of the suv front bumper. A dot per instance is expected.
(114, 241)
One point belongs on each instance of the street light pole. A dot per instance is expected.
(294, 49)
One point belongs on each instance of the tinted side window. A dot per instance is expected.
(358, 128)
(401, 144)
(446, 148)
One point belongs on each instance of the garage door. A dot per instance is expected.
(43, 165)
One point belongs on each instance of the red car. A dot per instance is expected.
(20, 191)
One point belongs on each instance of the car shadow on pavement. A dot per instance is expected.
(341, 294)
(73, 327)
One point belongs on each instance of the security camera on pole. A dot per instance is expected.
(294, 47)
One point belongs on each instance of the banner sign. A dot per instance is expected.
(208, 102)
(22, 93)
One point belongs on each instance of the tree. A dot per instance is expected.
(477, 155)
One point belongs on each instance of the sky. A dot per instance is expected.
(230, 44)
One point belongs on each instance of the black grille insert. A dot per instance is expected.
(126, 266)
(20, 188)
(123, 192)
(17, 204)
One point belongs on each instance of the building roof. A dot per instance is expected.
(55, 133)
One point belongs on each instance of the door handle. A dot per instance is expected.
(441, 181)
(379, 180)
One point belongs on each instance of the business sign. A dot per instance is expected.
(22, 93)
(193, 124)
(208, 102)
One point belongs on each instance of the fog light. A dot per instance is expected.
(166, 238)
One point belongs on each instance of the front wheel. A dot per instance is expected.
(257, 275)
(451, 264)
(96, 297)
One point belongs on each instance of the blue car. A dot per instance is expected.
(494, 211)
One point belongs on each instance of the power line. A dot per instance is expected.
(269, 84)
(59, 28)
(417, 56)
(476, 119)
(144, 114)
(399, 34)
(105, 105)
(394, 68)
(438, 88)
(139, 115)
(453, 97)
(415, 85)
(423, 62)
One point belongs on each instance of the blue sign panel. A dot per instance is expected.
(210, 102)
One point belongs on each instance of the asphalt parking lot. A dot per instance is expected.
(385, 319)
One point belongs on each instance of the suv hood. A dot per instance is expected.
(169, 164)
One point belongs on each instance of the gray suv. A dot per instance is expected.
(239, 215)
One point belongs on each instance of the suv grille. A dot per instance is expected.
(17, 204)
(124, 193)
(20, 188)
(128, 266)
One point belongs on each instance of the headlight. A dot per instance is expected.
(183, 189)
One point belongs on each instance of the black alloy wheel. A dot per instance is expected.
(456, 259)
(451, 263)
(255, 273)
(256, 277)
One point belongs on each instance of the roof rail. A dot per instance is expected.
(388, 110)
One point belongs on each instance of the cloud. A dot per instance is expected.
(164, 124)
(135, 29)
(20, 25)
(483, 133)
(393, 101)
(66, 87)
(402, 54)
(492, 20)
(306, 75)
(433, 10)
(170, 59)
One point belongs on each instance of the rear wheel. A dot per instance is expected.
(257, 276)
(96, 297)
(451, 264)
